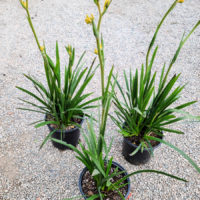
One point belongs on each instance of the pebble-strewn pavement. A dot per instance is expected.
(26, 172)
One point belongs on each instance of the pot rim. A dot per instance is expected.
(135, 146)
(114, 163)
(65, 131)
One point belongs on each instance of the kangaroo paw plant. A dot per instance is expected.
(102, 178)
(63, 106)
(145, 111)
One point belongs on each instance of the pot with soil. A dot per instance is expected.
(87, 184)
(70, 135)
(130, 144)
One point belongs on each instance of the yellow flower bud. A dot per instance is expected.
(88, 19)
(180, 1)
(96, 51)
(106, 4)
(69, 50)
(24, 4)
(41, 48)
(92, 17)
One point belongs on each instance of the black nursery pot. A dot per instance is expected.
(69, 136)
(113, 164)
(140, 157)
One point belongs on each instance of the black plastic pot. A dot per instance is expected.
(69, 136)
(140, 157)
(114, 164)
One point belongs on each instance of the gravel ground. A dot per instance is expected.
(26, 172)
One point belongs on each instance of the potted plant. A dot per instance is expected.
(102, 178)
(64, 107)
(145, 111)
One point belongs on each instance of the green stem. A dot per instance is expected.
(103, 122)
(32, 28)
(100, 17)
(101, 65)
(186, 38)
(178, 51)
(157, 29)
(99, 53)
(43, 53)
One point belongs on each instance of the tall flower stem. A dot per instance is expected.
(99, 51)
(41, 48)
(100, 16)
(156, 32)
(25, 6)
(105, 98)
(32, 28)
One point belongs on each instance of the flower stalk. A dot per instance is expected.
(156, 32)
(106, 99)
(25, 6)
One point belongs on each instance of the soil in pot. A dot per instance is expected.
(88, 186)
(131, 143)
(69, 135)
